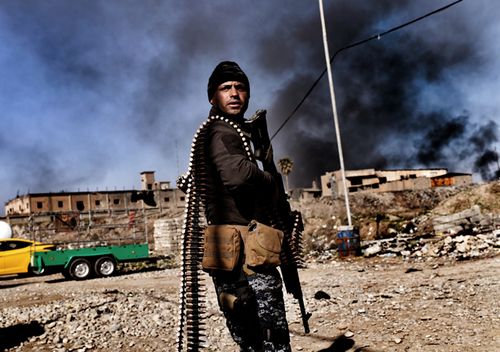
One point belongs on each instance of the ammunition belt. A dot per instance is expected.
(192, 289)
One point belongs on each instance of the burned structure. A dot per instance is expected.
(153, 194)
(371, 180)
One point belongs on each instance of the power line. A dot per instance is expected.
(376, 36)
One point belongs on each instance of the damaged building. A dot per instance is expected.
(153, 194)
(371, 180)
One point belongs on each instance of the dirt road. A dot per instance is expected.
(378, 304)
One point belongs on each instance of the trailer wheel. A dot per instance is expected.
(80, 269)
(36, 272)
(105, 266)
(67, 275)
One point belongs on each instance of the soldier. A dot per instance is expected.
(237, 192)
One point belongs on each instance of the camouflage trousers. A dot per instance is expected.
(259, 324)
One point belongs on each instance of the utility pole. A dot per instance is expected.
(334, 109)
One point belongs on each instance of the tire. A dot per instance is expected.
(80, 269)
(35, 272)
(105, 266)
(67, 275)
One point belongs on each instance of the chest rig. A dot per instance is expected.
(190, 330)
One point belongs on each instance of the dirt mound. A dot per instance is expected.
(487, 196)
(384, 215)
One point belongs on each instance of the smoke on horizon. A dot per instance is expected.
(388, 117)
(94, 93)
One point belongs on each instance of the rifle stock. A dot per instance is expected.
(290, 222)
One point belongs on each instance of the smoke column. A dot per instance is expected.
(400, 99)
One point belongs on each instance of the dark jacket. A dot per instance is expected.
(237, 190)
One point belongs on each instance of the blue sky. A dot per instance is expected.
(94, 92)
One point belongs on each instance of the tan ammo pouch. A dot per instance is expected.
(222, 247)
(262, 245)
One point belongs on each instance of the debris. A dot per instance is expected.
(321, 295)
(411, 270)
(348, 334)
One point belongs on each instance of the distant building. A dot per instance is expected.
(306, 193)
(372, 180)
(99, 201)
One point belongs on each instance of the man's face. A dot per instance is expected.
(231, 98)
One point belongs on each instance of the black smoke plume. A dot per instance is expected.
(386, 117)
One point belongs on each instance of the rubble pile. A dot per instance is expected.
(469, 220)
(459, 247)
(386, 229)
(463, 235)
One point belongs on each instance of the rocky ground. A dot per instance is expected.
(357, 304)
(428, 280)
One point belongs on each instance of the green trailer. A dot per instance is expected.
(83, 263)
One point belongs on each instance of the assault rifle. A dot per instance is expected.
(290, 222)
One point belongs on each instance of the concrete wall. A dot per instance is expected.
(40, 204)
(401, 185)
(328, 186)
(167, 234)
(453, 180)
(147, 180)
(170, 198)
(99, 201)
(20, 205)
(395, 175)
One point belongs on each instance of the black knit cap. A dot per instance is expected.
(224, 72)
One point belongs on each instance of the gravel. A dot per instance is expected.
(361, 304)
